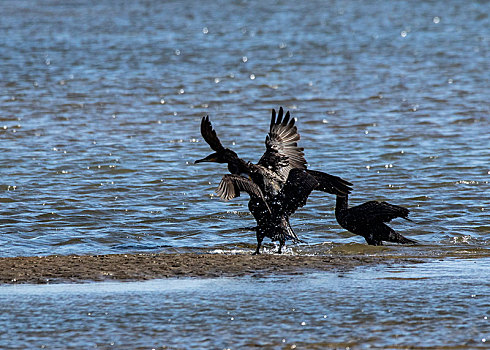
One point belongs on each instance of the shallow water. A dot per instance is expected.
(442, 304)
(101, 105)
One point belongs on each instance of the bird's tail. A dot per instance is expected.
(395, 237)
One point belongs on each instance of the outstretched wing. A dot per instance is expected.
(282, 152)
(330, 183)
(209, 135)
(374, 211)
(296, 190)
(231, 185)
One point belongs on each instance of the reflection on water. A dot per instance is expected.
(438, 304)
(101, 104)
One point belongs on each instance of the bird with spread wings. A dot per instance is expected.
(278, 184)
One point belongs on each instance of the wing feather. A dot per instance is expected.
(282, 152)
(374, 211)
(209, 135)
(231, 185)
(295, 192)
(330, 183)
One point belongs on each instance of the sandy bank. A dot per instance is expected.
(53, 269)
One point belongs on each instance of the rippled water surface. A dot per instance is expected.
(101, 103)
(359, 309)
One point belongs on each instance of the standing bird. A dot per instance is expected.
(272, 216)
(369, 220)
(282, 154)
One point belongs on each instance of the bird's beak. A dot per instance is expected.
(211, 158)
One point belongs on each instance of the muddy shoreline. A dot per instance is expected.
(136, 267)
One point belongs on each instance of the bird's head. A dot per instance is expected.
(225, 156)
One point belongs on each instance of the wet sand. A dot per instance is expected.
(134, 267)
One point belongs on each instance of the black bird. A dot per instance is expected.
(272, 216)
(369, 220)
(282, 154)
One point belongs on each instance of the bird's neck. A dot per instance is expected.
(238, 166)
(341, 204)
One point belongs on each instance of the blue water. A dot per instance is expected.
(101, 103)
(433, 305)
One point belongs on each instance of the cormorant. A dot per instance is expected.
(369, 220)
(282, 154)
(272, 216)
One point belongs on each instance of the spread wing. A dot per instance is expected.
(282, 152)
(330, 183)
(374, 211)
(296, 190)
(209, 135)
(231, 185)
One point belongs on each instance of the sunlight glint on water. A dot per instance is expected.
(100, 112)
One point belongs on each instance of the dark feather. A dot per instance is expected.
(282, 152)
(330, 183)
(296, 190)
(378, 211)
(231, 185)
(209, 135)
